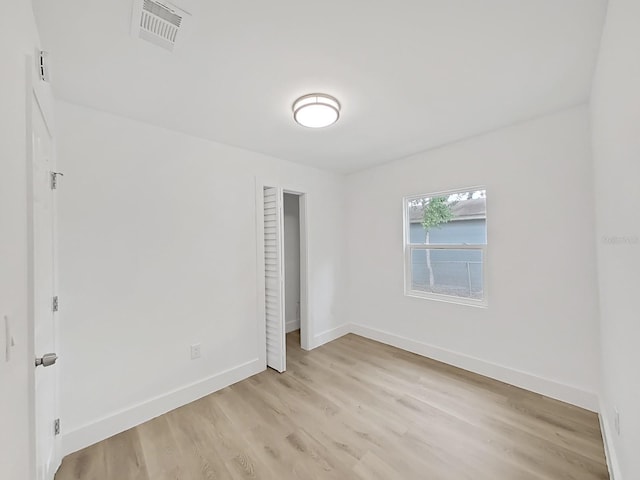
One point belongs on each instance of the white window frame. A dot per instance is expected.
(408, 248)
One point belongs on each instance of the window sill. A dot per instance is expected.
(447, 298)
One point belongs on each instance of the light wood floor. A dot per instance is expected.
(356, 409)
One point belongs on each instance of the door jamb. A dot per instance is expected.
(305, 328)
(306, 320)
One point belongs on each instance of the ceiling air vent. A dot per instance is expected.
(157, 22)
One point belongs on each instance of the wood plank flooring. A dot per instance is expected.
(356, 409)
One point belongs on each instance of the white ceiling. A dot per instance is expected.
(410, 74)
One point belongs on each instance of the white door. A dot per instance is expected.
(45, 401)
(274, 278)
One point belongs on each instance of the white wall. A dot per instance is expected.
(292, 261)
(540, 329)
(157, 252)
(18, 38)
(616, 146)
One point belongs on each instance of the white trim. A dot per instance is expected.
(445, 192)
(407, 248)
(331, 335)
(544, 386)
(30, 81)
(125, 419)
(609, 450)
(445, 298)
(292, 326)
(306, 321)
(306, 318)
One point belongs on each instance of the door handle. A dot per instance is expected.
(47, 360)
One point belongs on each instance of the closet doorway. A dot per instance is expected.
(282, 271)
(291, 210)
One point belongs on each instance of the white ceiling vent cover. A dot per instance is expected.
(158, 22)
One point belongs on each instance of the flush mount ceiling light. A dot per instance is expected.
(316, 110)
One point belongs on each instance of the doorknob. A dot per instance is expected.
(47, 360)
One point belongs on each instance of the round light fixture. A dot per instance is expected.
(316, 110)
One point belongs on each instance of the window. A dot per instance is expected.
(445, 246)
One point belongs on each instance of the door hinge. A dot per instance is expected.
(56, 426)
(54, 179)
(55, 304)
(43, 66)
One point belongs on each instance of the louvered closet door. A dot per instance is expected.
(274, 278)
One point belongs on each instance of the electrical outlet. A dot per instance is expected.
(195, 351)
(616, 420)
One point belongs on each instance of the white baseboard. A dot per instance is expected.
(609, 449)
(534, 383)
(330, 335)
(117, 422)
(122, 420)
(292, 326)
